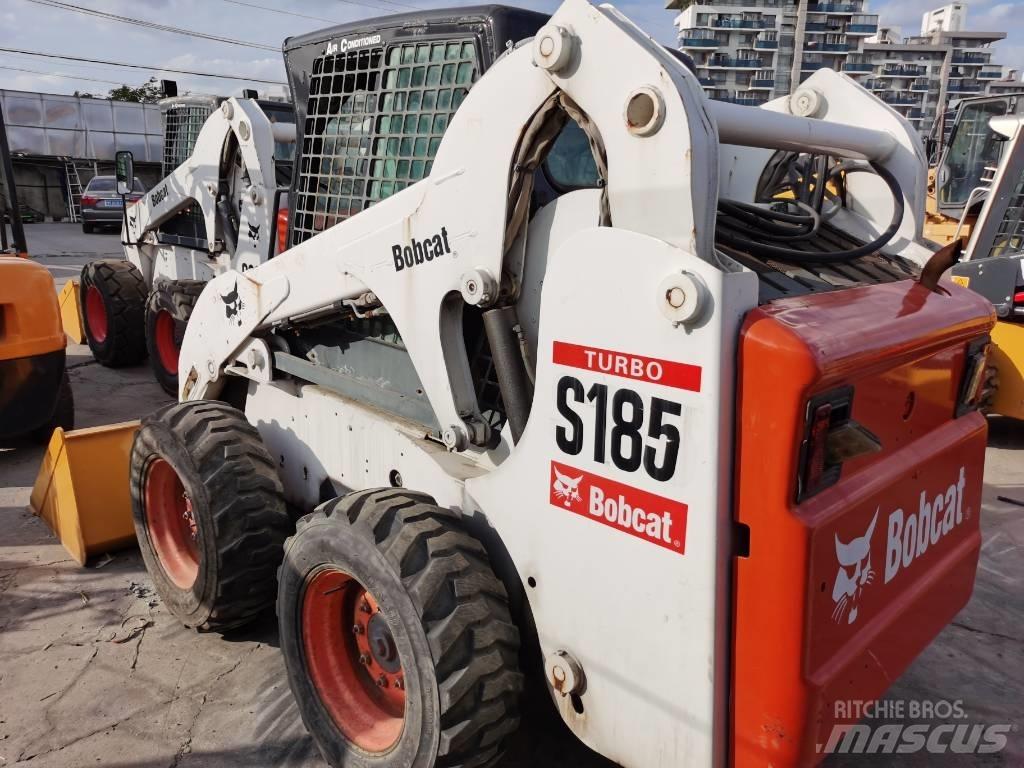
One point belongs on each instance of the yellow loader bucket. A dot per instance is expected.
(71, 312)
(82, 491)
(1008, 358)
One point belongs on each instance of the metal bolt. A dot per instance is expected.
(547, 46)
(364, 606)
(676, 297)
(364, 659)
(400, 684)
(357, 630)
(382, 682)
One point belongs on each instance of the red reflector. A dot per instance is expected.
(814, 469)
(88, 200)
(282, 230)
(1018, 297)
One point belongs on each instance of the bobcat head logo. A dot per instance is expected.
(854, 574)
(233, 305)
(254, 233)
(567, 488)
(131, 221)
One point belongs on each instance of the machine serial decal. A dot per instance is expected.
(419, 251)
(254, 233)
(641, 514)
(637, 367)
(630, 450)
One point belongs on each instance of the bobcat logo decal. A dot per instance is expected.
(233, 305)
(254, 233)
(567, 488)
(854, 574)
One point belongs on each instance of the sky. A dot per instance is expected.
(39, 27)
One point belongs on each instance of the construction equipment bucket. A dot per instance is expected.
(71, 312)
(82, 490)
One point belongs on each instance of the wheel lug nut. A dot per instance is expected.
(357, 629)
(364, 659)
(400, 684)
(364, 606)
(382, 681)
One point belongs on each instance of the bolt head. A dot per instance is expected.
(676, 297)
(547, 46)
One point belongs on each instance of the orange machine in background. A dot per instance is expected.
(35, 393)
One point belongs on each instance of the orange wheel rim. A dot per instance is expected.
(167, 346)
(171, 524)
(96, 314)
(352, 660)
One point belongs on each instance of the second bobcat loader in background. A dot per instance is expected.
(576, 376)
(223, 208)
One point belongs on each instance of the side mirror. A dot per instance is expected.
(125, 170)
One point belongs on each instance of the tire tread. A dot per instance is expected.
(464, 610)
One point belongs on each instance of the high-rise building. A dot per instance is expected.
(948, 18)
(749, 51)
(746, 51)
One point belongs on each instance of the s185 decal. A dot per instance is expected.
(642, 434)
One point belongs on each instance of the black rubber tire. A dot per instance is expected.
(87, 228)
(63, 413)
(124, 293)
(178, 297)
(238, 504)
(455, 629)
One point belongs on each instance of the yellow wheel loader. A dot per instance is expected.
(976, 197)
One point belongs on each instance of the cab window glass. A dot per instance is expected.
(570, 163)
(973, 147)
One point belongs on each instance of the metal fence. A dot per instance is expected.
(44, 124)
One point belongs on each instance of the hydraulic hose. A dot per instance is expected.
(766, 250)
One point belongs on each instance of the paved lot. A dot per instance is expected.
(94, 671)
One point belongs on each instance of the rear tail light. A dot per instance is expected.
(831, 437)
(972, 386)
(89, 200)
(1018, 299)
(282, 230)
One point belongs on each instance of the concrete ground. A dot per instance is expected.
(95, 671)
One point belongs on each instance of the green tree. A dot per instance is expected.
(147, 93)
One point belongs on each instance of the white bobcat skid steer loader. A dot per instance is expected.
(220, 210)
(576, 374)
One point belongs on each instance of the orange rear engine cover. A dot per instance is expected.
(840, 591)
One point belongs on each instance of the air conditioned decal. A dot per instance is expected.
(629, 510)
(346, 44)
